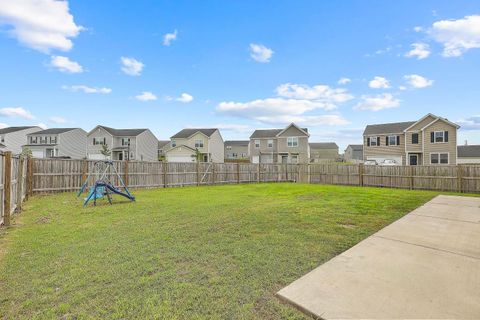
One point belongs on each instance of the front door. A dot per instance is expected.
(413, 159)
(120, 155)
(284, 159)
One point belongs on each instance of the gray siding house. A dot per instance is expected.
(468, 154)
(185, 143)
(124, 144)
(163, 146)
(236, 150)
(14, 138)
(323, 152)
(58, 142)
(353, 152)
(288, 145)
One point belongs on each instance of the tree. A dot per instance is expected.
(105, 151)
(198, 156)
(26, 152)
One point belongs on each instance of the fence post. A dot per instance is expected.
(238, 172)
(286, 172)
(126, 172)
(258, 172)
(29, 176)
(198, 172)
(213, 173)
(410, 173)
(20, 183)
(165, 169)
(7, 185)
(360, 174)
(84, 170)
(459, 178)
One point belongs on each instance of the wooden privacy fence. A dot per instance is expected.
(13, 184)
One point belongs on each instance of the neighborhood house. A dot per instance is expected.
(14, 138)
(432, 140)
(58, 142)
(122, 144)
(353, 153)
(204, 143)
(236, 150)
(323, 151)
(468, 154)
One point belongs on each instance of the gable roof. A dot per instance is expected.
(187, 133)
(323, 145)
(54, 131)
(120, 132)
(14, 129)
(396, 127)
(303, 130)
(240, 143)
(163, 143)
(437, 118)
(272, 133)
(472, 151)
(356, 147)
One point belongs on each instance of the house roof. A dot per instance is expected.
(323, 145)
(122, 132)
(163, 143)
(396, 127)
(356, 147)
(472, 151)
(13, 129)
(54, 131)
(240, 143)
(269, 133)
(186, 133)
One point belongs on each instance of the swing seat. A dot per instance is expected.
(100, 193)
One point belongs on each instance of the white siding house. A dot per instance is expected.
(14, 138)
(58, 142)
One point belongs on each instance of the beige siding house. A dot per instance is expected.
(323, 152)
(185, 143)
(236, 150)
(288, 145)
(14, 138)
(431, 140)
(58, 142)
(124, 144)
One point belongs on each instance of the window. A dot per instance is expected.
(234, 155)
(174, 143)
(270, 143)
(53, 139)
(125, 141)
(438, 136)
(257, 144)
(294, 159)
(373, 141)
(198, 143)
(292, 142)
(99, 141)
(439, 158)
(33, 140)
(244, 155)
(229, 147)
(393, 140)
(414, 138)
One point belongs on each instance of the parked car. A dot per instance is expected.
(370, 163)
(389, 162)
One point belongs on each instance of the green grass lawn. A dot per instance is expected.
(216, 252)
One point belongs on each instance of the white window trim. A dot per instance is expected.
(256, 145)
(200, 143)
(390, 144)
(270, 145)
(292, 139)
(374, 138)
(439, 153)
(435, 137)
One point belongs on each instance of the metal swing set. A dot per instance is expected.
(104, 186)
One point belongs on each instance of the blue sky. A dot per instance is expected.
(240, 65)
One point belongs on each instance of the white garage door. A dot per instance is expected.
(379, 159)
(180, 158)
(37, 154)
(255, 159)
(96, 156)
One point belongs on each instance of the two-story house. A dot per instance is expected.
(287, 145)
(163, 146)
(187, 144)
(323, 152)
(58, 142)
(14, 138)
(353, 152)
(432, 140)
(122, 144)
(236, 150)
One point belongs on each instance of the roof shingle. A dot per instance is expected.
(472, 151)
(54, 131)
(323, 145)
(396, 127)
(13, 129)
(185, 133)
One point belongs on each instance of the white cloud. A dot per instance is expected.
(3, 125)
(457, 36)
(64, 64)
(418, 29)
(379, 83)
(87, 89)
(169, 37)
(146, 96)
(377, 102)
(260, 53)
(131, 66)
(42, 125)
(42, 25)
(185, 98)
(58, 120)
(403, 88)
(416, 81)
(419, 50)
(344, 80)
(16, 112)
(471, 123)
(240, 128)
(322, 93)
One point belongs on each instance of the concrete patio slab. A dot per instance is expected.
(421, 266)
(445, 211)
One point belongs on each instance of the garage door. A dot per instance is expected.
(379, 159)
(96, 156)
(37, 154)
(255, 159)
(178, 158)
